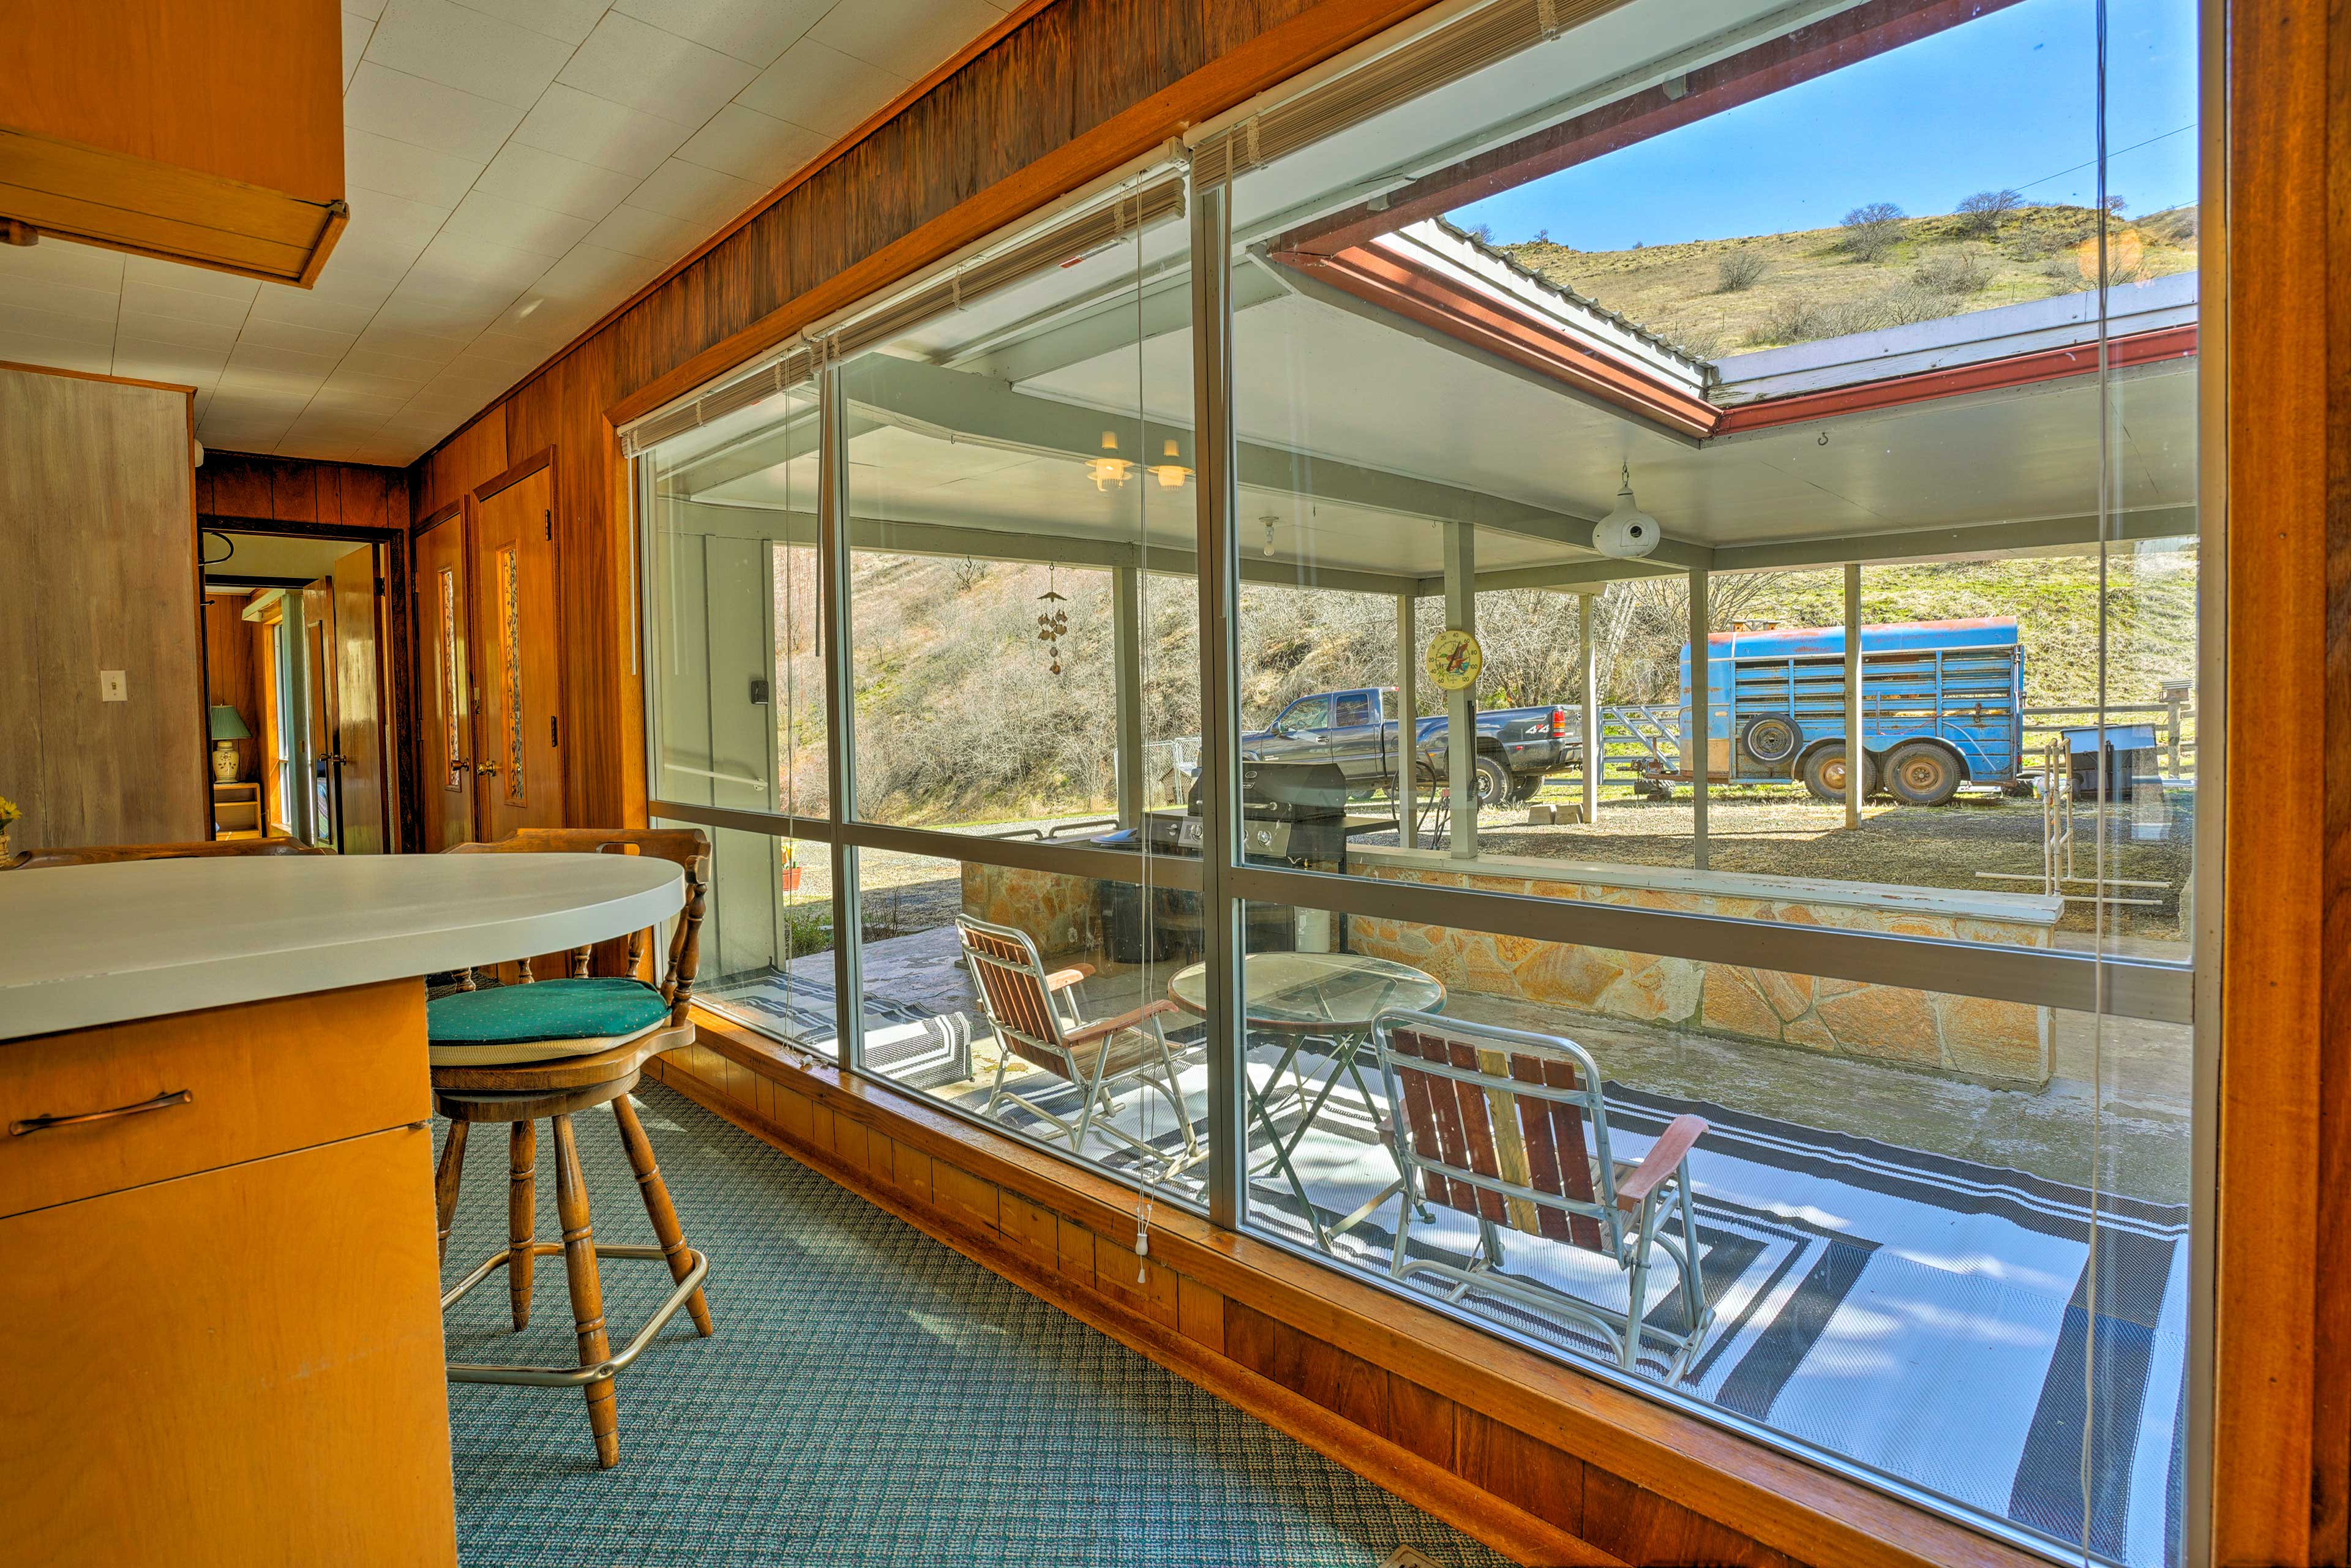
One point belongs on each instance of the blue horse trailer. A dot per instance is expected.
(1942, 705)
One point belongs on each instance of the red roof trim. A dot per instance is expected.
(1987, 375)
(1418, 294)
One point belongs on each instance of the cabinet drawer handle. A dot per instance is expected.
(41, 1124)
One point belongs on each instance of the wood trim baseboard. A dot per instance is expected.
(1787, 1505)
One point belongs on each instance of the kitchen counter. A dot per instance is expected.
(83, 946)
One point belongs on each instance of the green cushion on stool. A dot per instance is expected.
(593, 1009)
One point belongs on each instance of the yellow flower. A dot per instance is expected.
(8, 812)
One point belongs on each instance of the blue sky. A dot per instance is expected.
(2008, 98)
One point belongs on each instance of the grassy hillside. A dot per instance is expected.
(1727, 296)
(961, 716)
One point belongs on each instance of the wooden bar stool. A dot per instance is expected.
(552, 1049)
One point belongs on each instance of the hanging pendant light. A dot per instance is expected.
(1110, 469)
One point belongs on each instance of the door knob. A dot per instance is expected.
(486, 768)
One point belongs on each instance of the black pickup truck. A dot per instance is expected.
(1357, 730)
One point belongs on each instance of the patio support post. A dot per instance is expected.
(1698, 739)
(1219, 566)
(1853, 750)
(1596, 748)
(1408, 719)
(1126, 681)
(840, 711)
(1461, 713)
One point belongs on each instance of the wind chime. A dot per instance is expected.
(1052, 622)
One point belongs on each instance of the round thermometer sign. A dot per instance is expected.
(1454, 660)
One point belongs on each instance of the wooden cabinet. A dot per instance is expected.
(237, 810)
(207, 131)
(222, 1314)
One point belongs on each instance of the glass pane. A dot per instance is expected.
(1022, 496)
(1885, 1251)
(735, 713)
(767, 936)
(1575, 430)
(983, 988)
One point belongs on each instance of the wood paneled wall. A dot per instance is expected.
(230, 666)
(98, 572)
(1075, 89)
(235, 484)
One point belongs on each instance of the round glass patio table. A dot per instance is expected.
(1332, 996)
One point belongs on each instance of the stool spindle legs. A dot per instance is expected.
(445, 1183)
(587, 1291)
(658, 1208)
(522, 1201)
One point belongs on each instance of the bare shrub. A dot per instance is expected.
(1953, 273)
(1792, 318)
(1739, 271)
(1985, 210)
(1872, 230)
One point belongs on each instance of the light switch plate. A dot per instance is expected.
(111, 687)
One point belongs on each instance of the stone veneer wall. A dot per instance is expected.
(1058, 911)
(2007, 1044)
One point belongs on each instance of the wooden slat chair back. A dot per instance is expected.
(117, 855)
(1035, 1018)
(1511, 1129)
(538, 1078)
(688, 847)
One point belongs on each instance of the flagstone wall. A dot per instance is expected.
(2007, 1044)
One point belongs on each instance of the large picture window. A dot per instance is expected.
(1570, 684)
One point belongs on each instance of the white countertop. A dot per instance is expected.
(83, 946)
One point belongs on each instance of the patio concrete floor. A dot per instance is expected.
(2131, 1139)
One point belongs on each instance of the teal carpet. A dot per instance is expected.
(871, 1397)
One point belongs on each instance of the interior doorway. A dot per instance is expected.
(297, 688)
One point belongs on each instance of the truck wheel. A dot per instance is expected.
(1493, 782)
(1921, 773)
(1824, 775)
(1770, 739)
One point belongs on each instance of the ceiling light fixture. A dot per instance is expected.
(1171, 474)
(1109, 470)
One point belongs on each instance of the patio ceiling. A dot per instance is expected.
(1360, 434)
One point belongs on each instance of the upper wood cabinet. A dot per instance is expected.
(205, 131)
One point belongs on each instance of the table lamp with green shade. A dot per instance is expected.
(228, 728)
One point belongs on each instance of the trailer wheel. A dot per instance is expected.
(1770, 739)
(1824, 774)
(1921, 773)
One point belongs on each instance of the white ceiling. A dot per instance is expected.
(516, 168)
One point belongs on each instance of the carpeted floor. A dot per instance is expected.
(871, 1397)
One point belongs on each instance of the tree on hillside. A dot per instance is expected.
(1986, 210)
(1738, 270)
(1872, 229)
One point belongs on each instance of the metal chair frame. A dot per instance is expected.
(1024, 968)
(1629, 1224)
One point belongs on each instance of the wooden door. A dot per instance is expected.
(362, 773)
(444, 685)
(518, 765)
